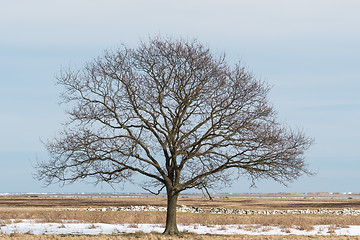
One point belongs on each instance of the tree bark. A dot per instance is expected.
(171, 227)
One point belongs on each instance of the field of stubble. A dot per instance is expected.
(53, 209)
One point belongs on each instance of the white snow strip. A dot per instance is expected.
(32, 227)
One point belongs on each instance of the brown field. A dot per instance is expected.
(239, 203)
(153, 236)
(53, 209)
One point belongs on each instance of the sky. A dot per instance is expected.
(308, 50)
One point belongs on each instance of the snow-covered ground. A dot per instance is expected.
(33, 227)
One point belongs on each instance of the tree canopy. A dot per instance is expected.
(174, 112)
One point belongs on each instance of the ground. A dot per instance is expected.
(20, 210)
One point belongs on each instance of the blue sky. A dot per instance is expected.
(307, 49)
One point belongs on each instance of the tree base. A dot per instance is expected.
(171, 232)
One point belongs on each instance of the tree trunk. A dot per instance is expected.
(171, 227)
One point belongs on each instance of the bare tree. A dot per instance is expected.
(174, 112)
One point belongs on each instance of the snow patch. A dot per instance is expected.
(33, 227)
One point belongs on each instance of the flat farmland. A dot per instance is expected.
(258, 203)
(54, 210)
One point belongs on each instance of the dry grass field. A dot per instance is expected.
(152, 236)
(53, 209)
(239, 203)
